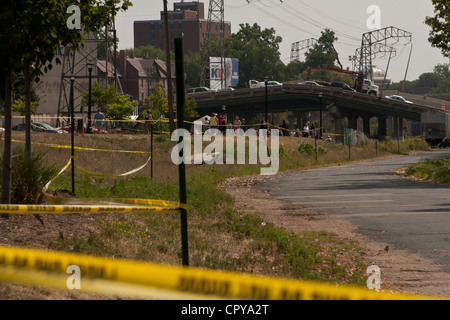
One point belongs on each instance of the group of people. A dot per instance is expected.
(218, 121)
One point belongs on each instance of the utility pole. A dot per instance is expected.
(169, 70)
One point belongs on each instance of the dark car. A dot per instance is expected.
(342, 86)
(37, 126)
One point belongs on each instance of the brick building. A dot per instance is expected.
(187, 18)
(139, 76)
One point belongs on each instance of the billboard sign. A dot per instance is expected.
(229, 73)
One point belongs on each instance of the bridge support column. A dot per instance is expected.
(401, 132)
(382, 127)
(337, 115)
(396, 133)
(353, 123)
(366, 126)
(338, 130)
(390, 127)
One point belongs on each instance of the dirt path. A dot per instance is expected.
(401, 271)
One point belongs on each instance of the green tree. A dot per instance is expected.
(257, 51)
(322, 54)
(193, 69)
(121, 107)
(19, 106)
(149, 51)
(158, 99)
(109, 100)
(190, 112)
(439, 36)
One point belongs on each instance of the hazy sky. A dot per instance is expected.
(296, 20)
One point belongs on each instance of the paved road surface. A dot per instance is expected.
(409, 214)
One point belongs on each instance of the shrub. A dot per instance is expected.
(306, 148)
(28, 177)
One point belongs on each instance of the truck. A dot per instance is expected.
(370, 87)
(435, 127)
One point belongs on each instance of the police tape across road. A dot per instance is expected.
(135, 279)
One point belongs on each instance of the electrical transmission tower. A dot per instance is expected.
(74, 66)
(299, 46)
(377, 41)
(216, 15)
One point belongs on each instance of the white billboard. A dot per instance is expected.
(229, 73)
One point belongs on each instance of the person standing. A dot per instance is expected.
(148, 122)
(306, 130)
(236, 123)
(99, 118)
(213, 121)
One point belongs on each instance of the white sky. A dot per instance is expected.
(296, 20)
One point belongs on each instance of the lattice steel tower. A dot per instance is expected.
(381, 40)
(216, 15)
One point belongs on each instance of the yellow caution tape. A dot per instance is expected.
(80, 148)
(114, 175)
(147, 280)
(84, 207)
(73, 205)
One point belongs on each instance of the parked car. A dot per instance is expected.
(198, 90)
(398, 98)
(39, 127)
(228, 89)
(273, 83)
(310, 83)
(342, 86)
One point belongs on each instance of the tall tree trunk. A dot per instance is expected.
(27, 89)
(6, 183)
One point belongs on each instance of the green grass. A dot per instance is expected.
(431, 170)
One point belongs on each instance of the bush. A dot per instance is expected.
(306, 148)
(28, 177)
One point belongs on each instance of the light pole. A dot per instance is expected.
(72, 130)
(89, 129)
(266, 79)
(320, 116)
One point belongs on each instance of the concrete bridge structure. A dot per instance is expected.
(300, 101)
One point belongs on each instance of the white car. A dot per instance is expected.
(273, 83)
(227, 89)
(398, 98)
(309, 83)
(199, 90)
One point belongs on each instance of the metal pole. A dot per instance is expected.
(266, 79)
(72, 129)
(151, 148)
(88, 129)
(320, 115)
(407, 66)
(179, 68)
(385, 74)
(169, 69)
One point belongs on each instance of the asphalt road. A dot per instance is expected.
(408, 214)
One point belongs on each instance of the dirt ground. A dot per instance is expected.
(401, 271)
